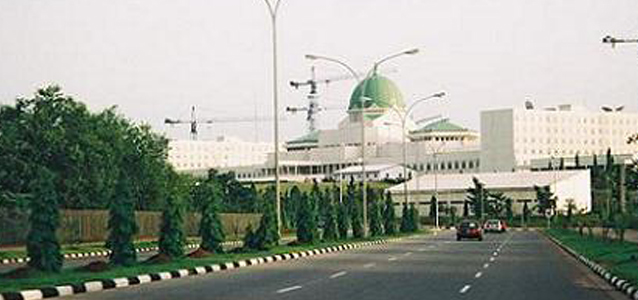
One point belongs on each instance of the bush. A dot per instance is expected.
(405, 219)
(122, 225)
(306, 221)
(172, 238)
(375, 219)
(210, 227)
(343, 222)
(330, 223)
(267, 234)
(42, 244)
(389, 217)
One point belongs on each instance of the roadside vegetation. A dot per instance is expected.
(618, 257)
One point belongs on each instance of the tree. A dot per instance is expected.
(466, 209)
(208, 194)
(43, 248)
(389, 216)
(434, 207)
(330, 232)
(122, 225)
(545, 198)
(414, 218)
(355, 210)
(526, 212)
(477, 196)
(405, 219)
(172, 238)
(267, 234)
(307, 221)
(374, 212)
(509, 213)
(343, 220)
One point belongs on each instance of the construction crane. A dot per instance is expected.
(313, 108)
(194, 121)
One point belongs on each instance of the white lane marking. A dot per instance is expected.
(392, 258)
(486, 265)
(432, 246)
(478, 275)
(288, 289)
(370, 265)
(338, 274)
(420, 249)
(407, 254)
(495, 253)
(465, 289)
(492, 258)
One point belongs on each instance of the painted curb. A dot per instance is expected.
(105, 284)
(620, 284)
(104, 253)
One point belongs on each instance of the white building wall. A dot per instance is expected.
(573, 190)
(497, 141)
(186, 155)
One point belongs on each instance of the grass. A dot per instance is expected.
(82, 248)
(619, 258)
(74, 276)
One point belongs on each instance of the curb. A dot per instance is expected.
(20, 260)
(620, 284)
(105, 284)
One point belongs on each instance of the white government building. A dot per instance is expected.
(510, 140)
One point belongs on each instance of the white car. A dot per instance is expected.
(494, 225)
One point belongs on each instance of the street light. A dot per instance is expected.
(364, 99)
(404, 117)
(273, 8)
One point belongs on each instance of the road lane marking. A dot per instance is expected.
(465, 289)
(407, 254)
(392, 258)
(421, 249)
(370, 265)
(486, 265)
(478, 275)
(495, 253)
(288, 289)
(338, 274)
(432, 246)
(492, 258)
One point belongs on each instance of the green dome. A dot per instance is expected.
(383, 92)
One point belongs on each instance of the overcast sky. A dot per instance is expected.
(154, 59)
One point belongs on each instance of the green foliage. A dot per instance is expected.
(330, 232)
(414, 218)
(389, 216)
(267, 234)
(208, 194)
(545, 198)
(477, 196)
(292, 204)
(86, 151)
(466, 209)
(434, 207)
(122, 225)
(374, 215)
(307, 221)
(343, 220)
(172, 238)
(356, 214)
(526, 212)
(42, 244)
(405, 219)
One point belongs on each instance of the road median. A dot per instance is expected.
(73, 282)
(614, 262)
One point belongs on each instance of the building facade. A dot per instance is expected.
(511, 139)
(223, 152)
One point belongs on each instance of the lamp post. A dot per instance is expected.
(362, 109)
(435, 153)
(404, 118)
(273, 8)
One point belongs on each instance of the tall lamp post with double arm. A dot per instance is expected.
(363, 100)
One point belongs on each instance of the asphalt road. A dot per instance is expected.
(517, 265)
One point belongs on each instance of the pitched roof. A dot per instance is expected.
(309, 138)
(440, 126)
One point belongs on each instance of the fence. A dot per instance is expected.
(91, 226)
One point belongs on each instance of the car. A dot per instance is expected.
(469, 229)
(495, 225)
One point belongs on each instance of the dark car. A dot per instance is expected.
(494, 225)
(469, 230)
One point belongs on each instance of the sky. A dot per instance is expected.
(154, 59)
